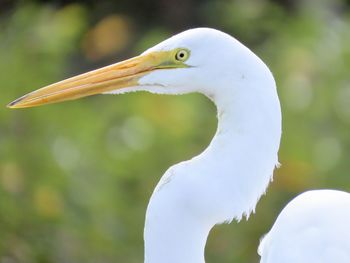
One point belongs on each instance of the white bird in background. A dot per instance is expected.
(226, 180)
(314, 227)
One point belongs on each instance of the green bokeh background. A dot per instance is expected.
(75, 178)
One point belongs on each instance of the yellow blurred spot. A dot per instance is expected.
(11, 178)
(293, 175)
(47, 202)
(109, 36)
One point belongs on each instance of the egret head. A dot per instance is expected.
(197, 60)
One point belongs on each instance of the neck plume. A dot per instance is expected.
(222, 183)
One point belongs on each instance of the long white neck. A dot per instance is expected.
(222, 183)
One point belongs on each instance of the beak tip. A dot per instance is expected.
(11, 105)
(15, 104)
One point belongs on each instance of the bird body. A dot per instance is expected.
(226, 180)
(217, 185)
(313, 227)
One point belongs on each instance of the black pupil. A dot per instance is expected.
(181, 54)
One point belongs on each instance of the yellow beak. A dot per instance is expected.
(117, 76)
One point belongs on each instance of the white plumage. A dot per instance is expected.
(314, 227)
(225, 181)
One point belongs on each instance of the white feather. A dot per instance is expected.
(226, 180)
(314, 227)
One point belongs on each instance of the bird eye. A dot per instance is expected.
(182, 55)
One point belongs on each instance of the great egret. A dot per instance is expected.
(226, 180)
(314, 227)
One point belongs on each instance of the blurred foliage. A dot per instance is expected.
(75, 178)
